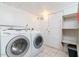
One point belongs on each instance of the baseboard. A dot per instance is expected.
(61, 48)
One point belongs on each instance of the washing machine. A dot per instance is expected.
(37, 43)
(15, 43)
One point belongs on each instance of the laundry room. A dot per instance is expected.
(39, 29)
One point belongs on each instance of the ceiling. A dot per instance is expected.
(37, 7)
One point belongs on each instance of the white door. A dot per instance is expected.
(55, 30)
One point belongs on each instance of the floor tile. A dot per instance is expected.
(52, 52)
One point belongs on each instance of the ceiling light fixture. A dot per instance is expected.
(44, 14)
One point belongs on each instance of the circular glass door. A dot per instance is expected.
(18, 46)
(38, 42)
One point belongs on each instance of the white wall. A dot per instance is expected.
(44, 29)
(13, 16)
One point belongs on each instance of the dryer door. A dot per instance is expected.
(38, 42)
(18, 46)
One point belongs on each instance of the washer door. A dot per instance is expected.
(38, 42)
(18, 46)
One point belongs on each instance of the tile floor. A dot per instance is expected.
(52, 52)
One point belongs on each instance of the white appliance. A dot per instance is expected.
(15, 43)
(37, 43)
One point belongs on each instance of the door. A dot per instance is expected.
(55, 30)
(17, 46)
(38, 42)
